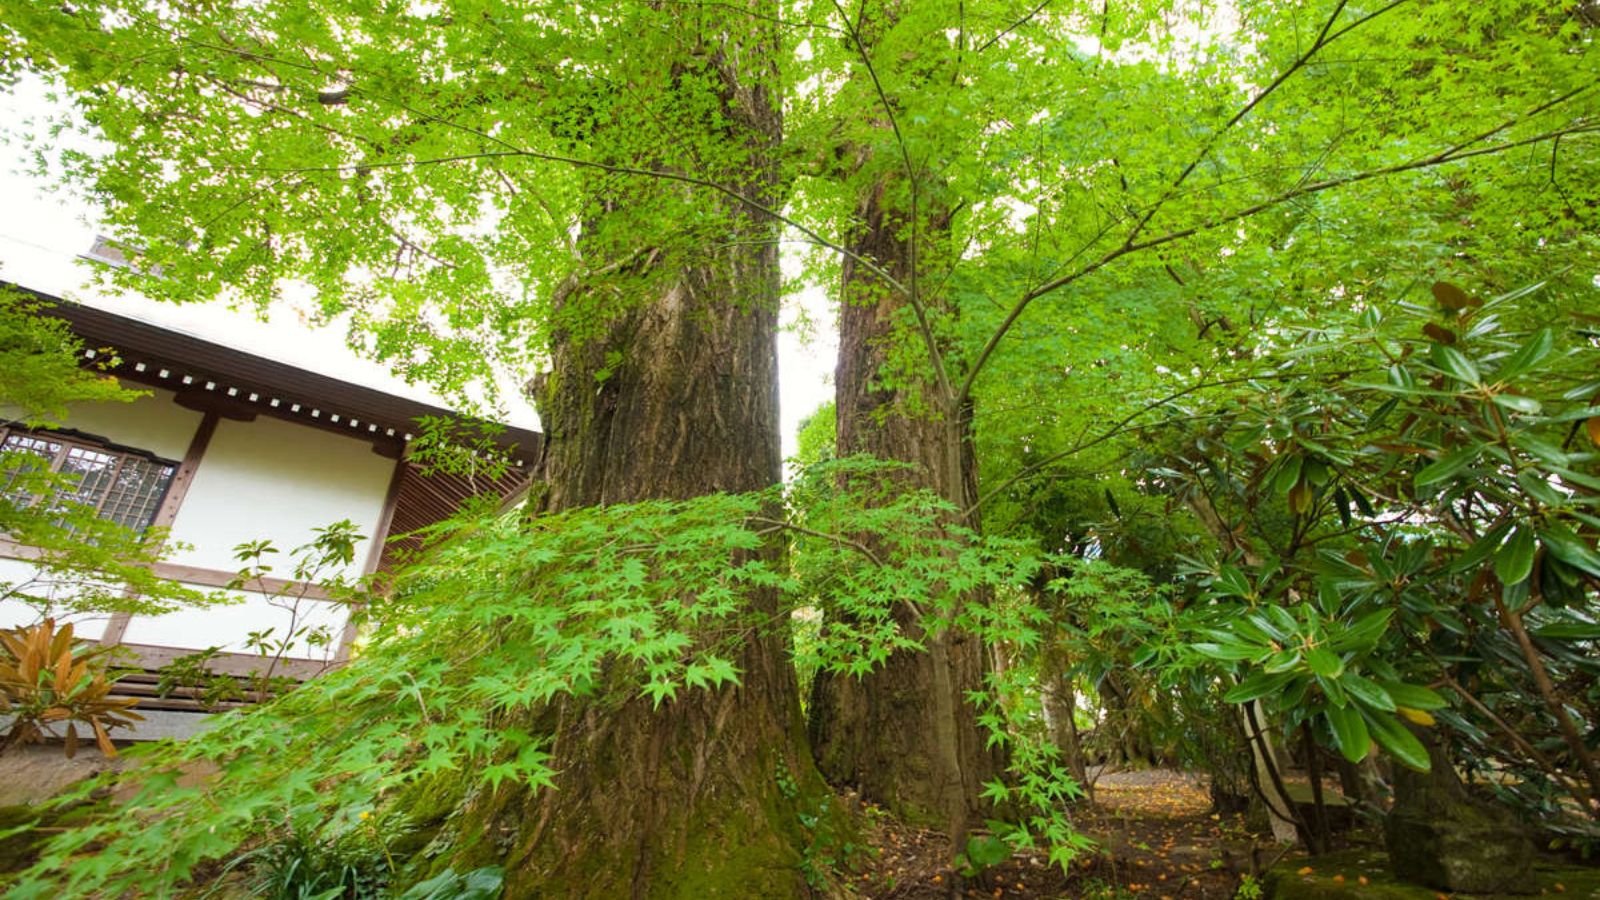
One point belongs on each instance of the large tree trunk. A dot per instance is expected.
(696, 798)
(683, 800)
(904, 735)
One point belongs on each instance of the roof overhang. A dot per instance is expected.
(239, 384)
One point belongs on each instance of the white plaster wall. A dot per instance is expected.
(267, 479)
(274, 479)
(153, 423)
(228, 627)
(16, 573)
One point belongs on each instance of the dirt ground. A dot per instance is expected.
(1156, 838)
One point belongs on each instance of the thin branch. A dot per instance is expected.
(1113, 431)
(1205, 151)
(514, 150)
(1454, 154)
(740, 9)
(780, 525)
(1547, 692)
(661, 174)
(1573, 787)
(1541, 108)
(1013, 26)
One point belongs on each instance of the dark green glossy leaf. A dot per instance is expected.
(1393, 737)
(1258, 685)
(1526, 357)
(1414, 696)
(1514, 560)
(1569, 548)
(1481, 549)
(1542, 450)
(1518, 403)
(1535, 484)
(1350, 730)
(1364, 633)
(1232, 583)
(1324, 662)
(1583, 392)
(1569, 631)
(1228, 652)
(1288, 473)
(1447, 466)
(1282, 661)
(1328, 596)
(1283, 619)
(1330, 687)
(1378, 415)
(1454, 363)
(1361, 501)
(1368, 692)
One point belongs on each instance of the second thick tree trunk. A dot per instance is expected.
(904, 735)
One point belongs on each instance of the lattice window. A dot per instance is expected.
(124, 486)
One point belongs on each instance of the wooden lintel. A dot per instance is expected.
(215, 403)
(154, 658)
(222, 578)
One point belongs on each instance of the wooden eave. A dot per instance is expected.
(239, 384)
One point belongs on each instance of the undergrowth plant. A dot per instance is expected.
(1406, 521)
(50, 685)
(505, 614)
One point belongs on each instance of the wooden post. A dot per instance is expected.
(380, 536)
(168, 513)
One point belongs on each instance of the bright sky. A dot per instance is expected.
(44, 228)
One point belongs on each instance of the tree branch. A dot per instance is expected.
(1025, 19)
(1322, 40)
(576, 162)
(780, 525)
(1450, 155)
(1028, 471)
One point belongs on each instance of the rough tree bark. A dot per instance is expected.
(695, 798)
(904, 735)
(1060, 712)
(682, 800)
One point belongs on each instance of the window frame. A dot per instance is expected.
(71, 438)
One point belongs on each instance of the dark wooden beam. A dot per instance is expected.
(211, 402)
(168, 511)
